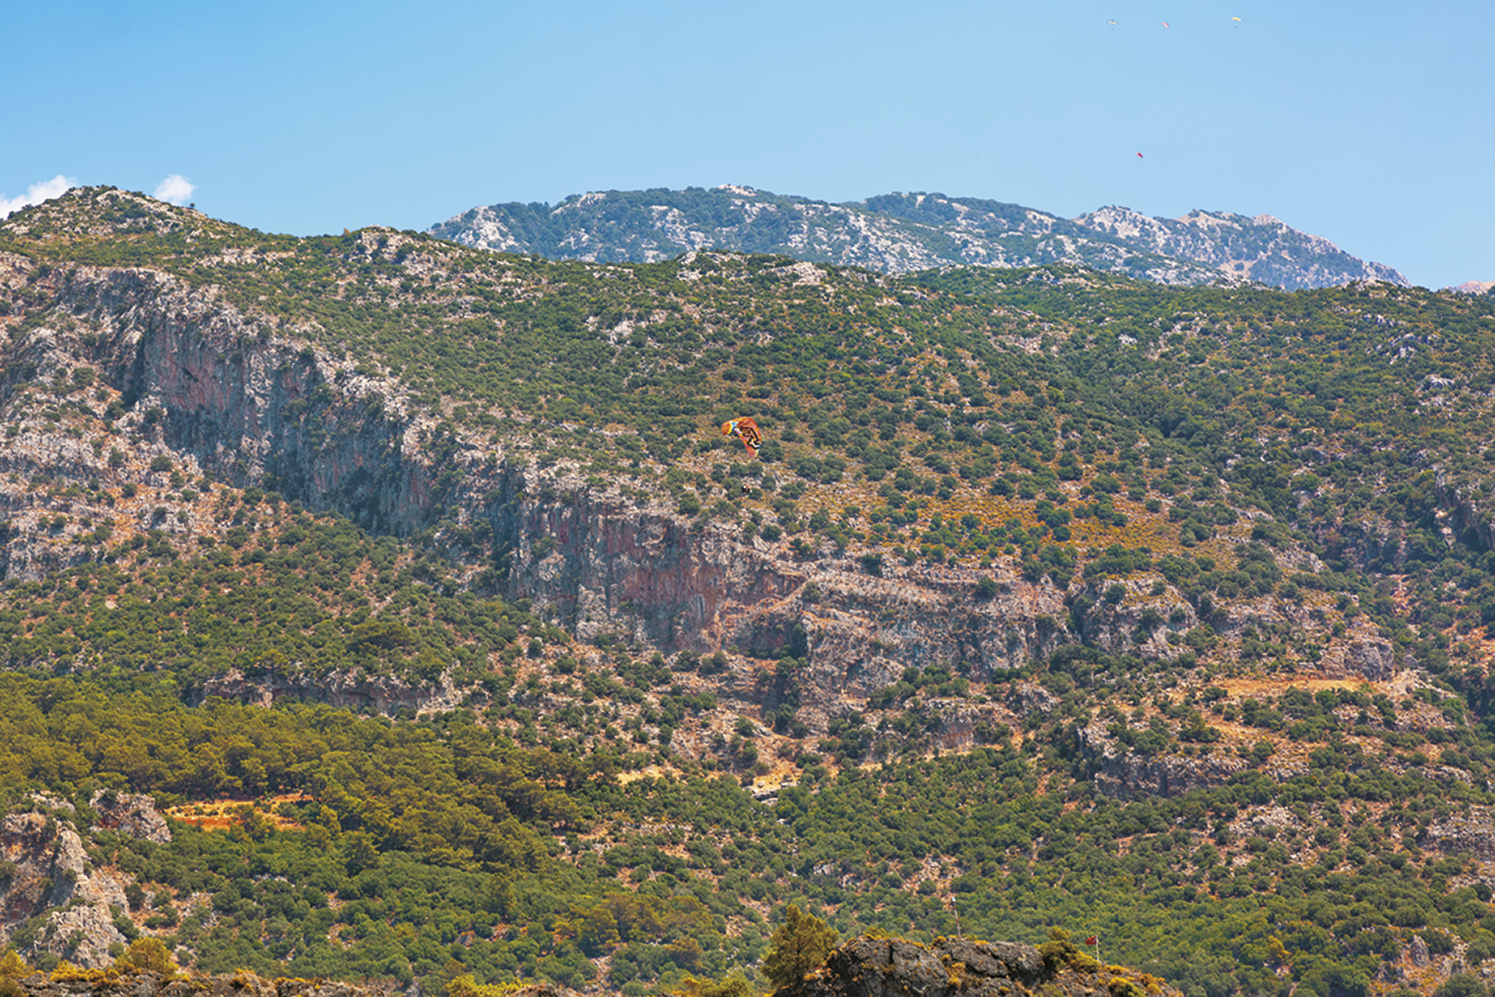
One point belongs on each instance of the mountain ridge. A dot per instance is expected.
(901, 233)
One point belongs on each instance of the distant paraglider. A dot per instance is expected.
(746, 430)
(1140, 156)
(1165, 24)
(1113, 23)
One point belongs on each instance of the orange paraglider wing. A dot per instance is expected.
(746, 430)
(750, 434)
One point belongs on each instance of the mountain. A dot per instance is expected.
(901, 233)
(418, 587)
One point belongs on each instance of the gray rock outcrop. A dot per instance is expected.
(1370, 658)
(884, 967)
(134, 814)
(1121, 772)
(1471, 834)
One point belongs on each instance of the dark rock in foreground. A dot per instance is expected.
(145, 984)
(958, 967)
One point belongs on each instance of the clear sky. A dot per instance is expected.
(1371, 124)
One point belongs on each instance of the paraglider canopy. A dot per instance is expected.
(746, 430)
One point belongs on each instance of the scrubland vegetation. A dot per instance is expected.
(1294, 470)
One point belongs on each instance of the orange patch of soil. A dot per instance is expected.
(219, 815)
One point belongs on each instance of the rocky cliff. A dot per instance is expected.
(56, 898)
(1123, 773)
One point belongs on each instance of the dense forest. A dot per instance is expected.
(1225, 493)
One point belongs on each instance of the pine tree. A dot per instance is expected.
(799, 945)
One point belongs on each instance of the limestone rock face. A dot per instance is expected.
(898, 233)
(1370, 658)
(1262, 247)
(52, 871)
(53, 876)
(1029, 697)
(379, 694)
(219, 393)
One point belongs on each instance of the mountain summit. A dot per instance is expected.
(899, 233)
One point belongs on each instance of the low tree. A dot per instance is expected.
(12, 966)
(735, 985)
(148, 955)
(799, 945)
(1059, 950)
(1462, 985)
(466, 986)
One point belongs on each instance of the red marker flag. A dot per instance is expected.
(1091, 940)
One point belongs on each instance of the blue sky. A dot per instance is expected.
(1370, 124)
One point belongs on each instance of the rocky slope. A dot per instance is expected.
(899, 233)
(196, 388)
(210, 398)
(126, 386)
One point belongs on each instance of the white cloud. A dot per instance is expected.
(36, 194)
(174, 189)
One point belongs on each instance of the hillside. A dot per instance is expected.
(902, 233)
(1055, 598)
